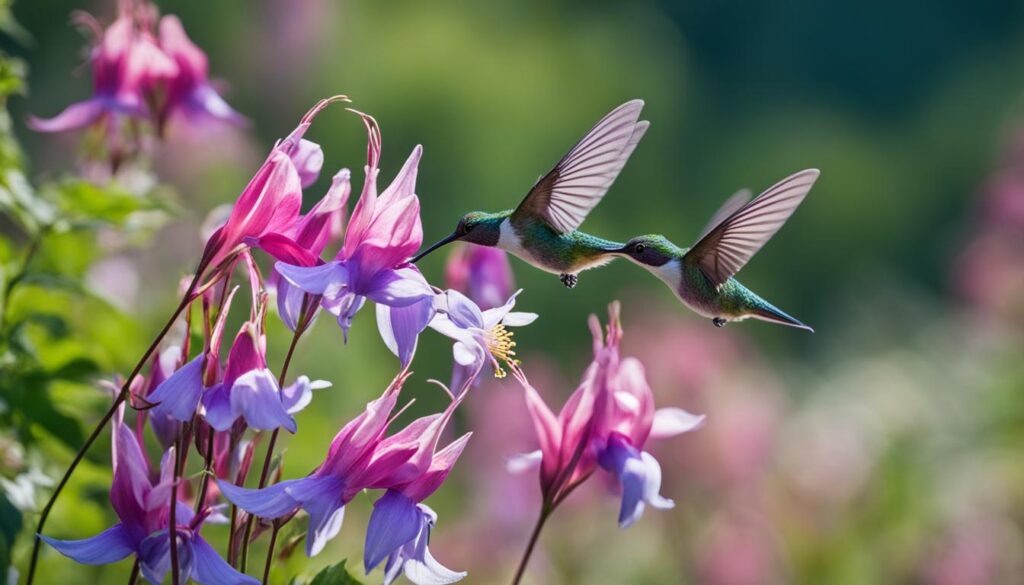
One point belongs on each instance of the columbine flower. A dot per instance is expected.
(400, 525)
(189, 92)
(482, 273)
(481, 337)
(270, 202)
(606, 422)
(372, 264)
(250, 390)
(143, 510)
(303, 246)
(126, 63)
(360, 457)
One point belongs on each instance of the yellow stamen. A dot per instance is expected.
(500, 344)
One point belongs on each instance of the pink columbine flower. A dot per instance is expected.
(481, 337)
(360, 457)
(303, 247)
(607, 421)
(142, 507)
(137, 74)
(189, 92)
(400, 525)
(482, 273)
(373, 264)
(271, 201)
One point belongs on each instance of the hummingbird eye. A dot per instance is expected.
(468, 227)
(639, 248)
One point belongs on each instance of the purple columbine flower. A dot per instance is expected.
(400, 526)
(360, 457)
(373, 262)
(189, 92)
(143, 510)
(481, 337)
(605, 423)
(250, 390)
(303, 246)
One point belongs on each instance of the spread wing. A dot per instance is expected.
(731, 206)
(563, 197)
(724, 250)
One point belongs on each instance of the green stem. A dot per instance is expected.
(205, 482)
(134, 577)
(268, 458)
(545, 513)
(30, 253)
(121, 397)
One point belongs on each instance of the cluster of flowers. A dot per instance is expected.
(145, 69)
(193, 396)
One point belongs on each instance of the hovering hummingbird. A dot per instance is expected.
(543, 230)
(702, 276)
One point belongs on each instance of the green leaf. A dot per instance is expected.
(10, 526)
(86, 203)
(335, 575)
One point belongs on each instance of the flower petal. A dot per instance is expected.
(395, 521)
(640, 476)
(323, 499)
(400, 327)
(398, 288)
(299, 394)
(326, 279)
(217, 408)
(210, 569)
(463, 312)
(519, 319)
(308, 158)
(178, 396)
(671, 421)
(74, 116)
(256, 396)
(270, 502)
(111, 545)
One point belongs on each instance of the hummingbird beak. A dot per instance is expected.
(446, 240)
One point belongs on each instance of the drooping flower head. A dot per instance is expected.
(400, 525)
(136, 73)
(606, 422)
(482, 273)
(360, 457)
(383, 232)
(303, 247)
(189, 92)
(271, 201)
(142, 507)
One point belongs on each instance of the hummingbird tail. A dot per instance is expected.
(772, 314)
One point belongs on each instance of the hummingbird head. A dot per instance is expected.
(651, 250)
(475, 227)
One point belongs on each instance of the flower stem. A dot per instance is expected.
(134, 577)
(268, 458)
(545, 513)
(172, 522)
(186, 301)
(270, 552)
(205, 481)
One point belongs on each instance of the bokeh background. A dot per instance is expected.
(885, 448)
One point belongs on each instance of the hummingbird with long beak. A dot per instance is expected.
(702, 276)
(543, 229)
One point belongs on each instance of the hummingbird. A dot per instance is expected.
(702, 276)
(543, 229)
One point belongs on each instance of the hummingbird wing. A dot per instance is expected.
(563, 197)
(731, 206)
(724, 250)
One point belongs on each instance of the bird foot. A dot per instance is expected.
(719, 322)
(569, 280)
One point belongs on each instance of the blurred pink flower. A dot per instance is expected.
(481, 273)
